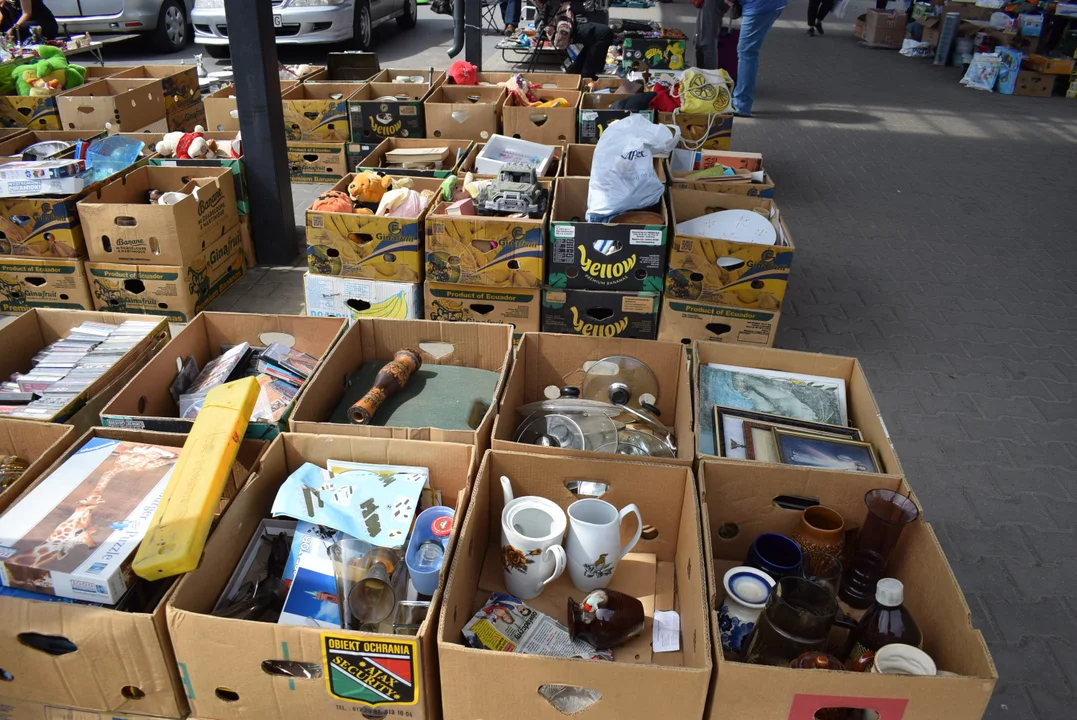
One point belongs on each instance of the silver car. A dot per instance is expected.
(165, 19)
(307, 21)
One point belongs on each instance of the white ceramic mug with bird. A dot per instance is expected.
(594, 541)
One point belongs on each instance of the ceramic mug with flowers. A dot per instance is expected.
(746, 593)
(531, 552)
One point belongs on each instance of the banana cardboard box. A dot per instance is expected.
(481, 250)
(519, 307)
(353, 298)
(604, 256)
(601, 313)
(373, 118)
(316, 162)
(42, 226)
(686, 321)
(701, 131)
(184, 119)
(654, 53)
(27, 283)
(686, 168)
(30, 112)
(318, 112)
(596, 116)
(367, 246)
(176, 292)
(722, 271)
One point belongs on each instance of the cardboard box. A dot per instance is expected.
(519, 307)
(25, 336)
(375, 160)
(1049, 65)
(664, 572)
(684, 162)
(220, 106)
(596, 116)
(145, 403)
(653, 54)
(39, 444)
(122, 226)
(179, 84)
(1034, 84)
(601, 313)
(147, 680)
(233, 685)
(115, 104)
(858, 28)
(311, 114)
(29, 112)
(863, 411)
(451, 112)
(740, 500)
(456, 249)
(316, 162)
(179, 292)
(548, 80)
(685, 321)
(23, 710)
(42, 226)
(603, 256)
(247, 241)
(725, 272)
(374, 119)
(885, 28)
(702, 131)
(578, 159)
(13, 146)
(548, 126)
(367, 246)
(967, 10)
(28, 282)
(186, 119)
(476, 345)
(545, 361)
(931, 35)
(470, 163)
(357, 152)
(431, 77)
(330, 296)
(236, 166)
(351, 66)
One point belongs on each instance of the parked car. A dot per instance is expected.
(167, 20)
(302, 22)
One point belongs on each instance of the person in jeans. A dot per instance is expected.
(510, 13)
(757, 19)
(817, 11)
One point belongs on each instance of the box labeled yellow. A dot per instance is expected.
(722, 271)
(519, 307)
(27, 283)
(686, 320)
(176, 292)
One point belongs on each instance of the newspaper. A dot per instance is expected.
(506, 624)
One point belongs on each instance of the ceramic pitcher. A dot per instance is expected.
(531, 552)
(746, 593)
(594, 541)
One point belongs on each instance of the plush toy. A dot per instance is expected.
(332, 201)
(462, 72)
(369, 187)
(185, 146)
(50, 75)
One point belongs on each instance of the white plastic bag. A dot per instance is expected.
(840, 6)
(622, 174)
(915, 48)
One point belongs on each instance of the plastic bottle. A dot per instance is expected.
(885, 622)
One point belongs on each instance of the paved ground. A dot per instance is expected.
(935, 230)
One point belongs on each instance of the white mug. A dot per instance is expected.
(594, 541)
(900, 659)
(531, 552)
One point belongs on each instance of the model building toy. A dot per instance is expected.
(515, 190)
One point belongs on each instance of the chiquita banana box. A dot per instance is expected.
(476, 250)
(712, 269)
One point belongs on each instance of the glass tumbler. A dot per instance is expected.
(888, 514)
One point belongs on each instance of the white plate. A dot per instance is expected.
(742, 226)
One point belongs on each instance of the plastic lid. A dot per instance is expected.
(441, 527)
(889, 592)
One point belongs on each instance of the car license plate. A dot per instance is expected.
(278, 21)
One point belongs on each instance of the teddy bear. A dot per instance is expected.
(368, 187)
(185, 146)
(332, 201)
(50, 75)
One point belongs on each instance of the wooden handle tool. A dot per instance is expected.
(390, 380)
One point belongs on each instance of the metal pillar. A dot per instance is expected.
(473, 32)
(261, 118)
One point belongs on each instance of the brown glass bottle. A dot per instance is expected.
(886, 622)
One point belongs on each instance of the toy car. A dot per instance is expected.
(515, 190)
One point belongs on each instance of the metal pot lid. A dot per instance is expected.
(621, 380)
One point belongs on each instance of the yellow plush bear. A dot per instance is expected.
(368, 187)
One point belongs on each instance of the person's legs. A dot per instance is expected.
(880, 4)
(510, 12)
(813, 12)
(753, 30)
(708, 23)
(596, 40)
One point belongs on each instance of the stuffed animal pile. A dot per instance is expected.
(195, 146)
(371, 193)
(48, 76)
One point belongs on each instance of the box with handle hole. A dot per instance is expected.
(115, 104)
(664, 570)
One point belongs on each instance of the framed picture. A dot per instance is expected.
(795, 395)
(740, 433)
(807, 450)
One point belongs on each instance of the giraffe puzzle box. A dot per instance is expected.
(74, 534)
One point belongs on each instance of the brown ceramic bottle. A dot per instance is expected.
(886, 622)
(606, 618)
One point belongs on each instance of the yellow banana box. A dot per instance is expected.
(318, 112)
(30, 282)
(42, 227)
(519, 307)
(353, 298)
(601, 313)
(685, 321)
(29, 111)
(724, 271)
